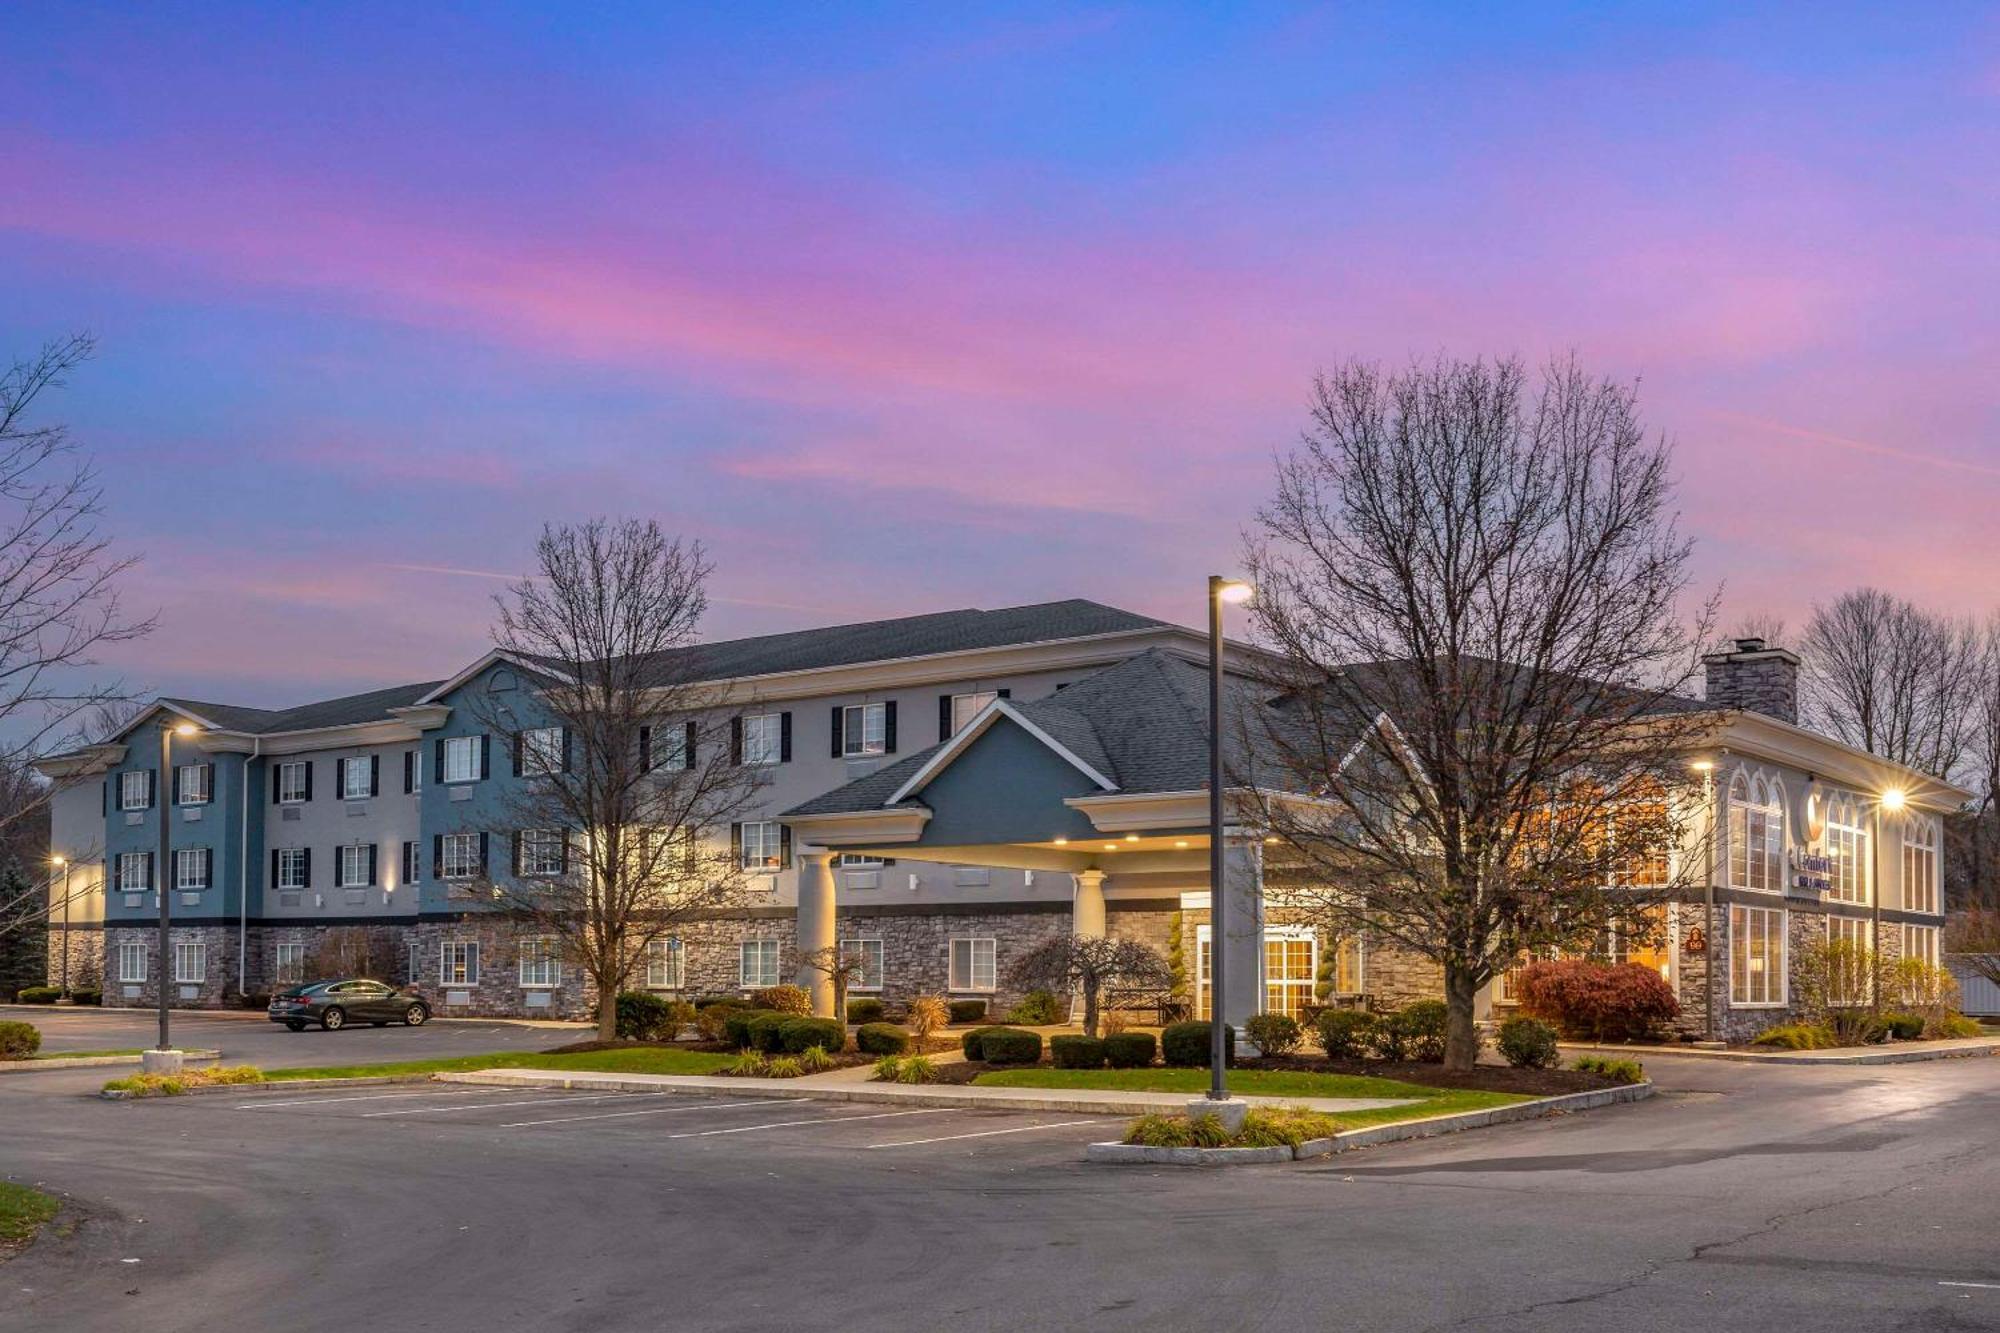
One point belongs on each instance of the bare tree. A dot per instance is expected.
(1090, 963)
(1768, 626)
(1476, 587)
(623, 747)
(1884, 674)
(840, 967)
(59, 575)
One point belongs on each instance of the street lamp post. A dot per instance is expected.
(163, 869)
(1892, 801)
(62, 864)
(1220, 590)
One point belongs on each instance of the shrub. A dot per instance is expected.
(1177, 1131)
(750, 1064)
(967, 1011)
(1273, 1034)
(18, 1041)
(643, 1016)
(1389, 1038)
(915, 1069)
(881, 1039)
(1072, 1052)
(1038, 1008)
(1597, 1001)
(783, 999)
(1947, 1026)
(92, 995)
(1345, 1033)
(1288, 1126)
(1112, 1022)
(1129, 1050)
(1010, 1046)
(1186, 1045)
(38, 995)
(704, 1003)
(713, 1022)
(784, 1066)
(1855, 1027)
(923, 1016)
(1902, 1025)
(177, 1085)
(795, 1034)
(815, 1060)
(736, 1025)
(1425, 1023)
(766, 1032)
(1527, 1043)
(1793, 1037)
(885, 1069)
(969, 1043)
(864, 1011)
(1618, 1071)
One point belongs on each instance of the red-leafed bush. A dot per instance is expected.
(1596, 1001)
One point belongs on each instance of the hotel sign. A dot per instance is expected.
(1811, 873)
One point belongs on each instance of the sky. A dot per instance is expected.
(907, 308)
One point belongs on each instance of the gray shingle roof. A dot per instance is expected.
(370, 706)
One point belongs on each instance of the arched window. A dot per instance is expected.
(1847, 849)
(1920, 863)
(1756, 832)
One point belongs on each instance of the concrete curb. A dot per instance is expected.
(1901, 1053)
(83, 1060)
(1131, 1154)
(285, 1085)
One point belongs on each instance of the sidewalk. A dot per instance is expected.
(1901, 1053)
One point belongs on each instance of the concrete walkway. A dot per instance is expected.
(831, 1087)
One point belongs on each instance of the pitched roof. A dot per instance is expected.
(369, 706)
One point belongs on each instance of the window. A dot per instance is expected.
(290, 968)
(193, 784)
(458, 856)
(1291, 965)
(1638, 830)
(357, 778)
(135, 789)
(1920, 864)
(1204, 985)
(1846, 851)
(462, 755)
(1921, 942)
(544, 851)
(757, 963)
(1348, 964)
(666, 965)
(416, 970)
(190, 962)
(294, 782)
(412, 872)
(965, 707)
(354, 866)
(294, 869)
(1848, 954)
(132, 962)
(856, 861)
(761, 739)
(1756, 833)
(191, 867)
(458, 963)
(864, 730)
(544, 750)
(869, 954)
(135, 871)
(539, 966)
(1756, 956)
(972, 964)
(763, 845)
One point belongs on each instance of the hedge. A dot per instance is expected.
(1011, 1046)
(969, 1043)
(18, 1041)
(38, 995)
(736, 1027)
(881, 1039)
(1130, 1050)
(1187, 1045)
(1073, 1052)
(766, 1031)
(784, 999)
(1038, 1008)
(796, 1034)
(1426, 1025)
(1344, 1033)
(865, 1011)
(707, 1002)
(643, 1016)
(1597, 1001)
(92, 995)
(1527, 1043)
(968, 1011)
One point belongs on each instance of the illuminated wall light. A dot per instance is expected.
(1131, 837)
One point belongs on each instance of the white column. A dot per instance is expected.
(816, 925)
(1087, 910)
(1239, 928)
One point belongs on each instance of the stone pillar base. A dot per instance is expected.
(1229, 1111)
(160, 1062)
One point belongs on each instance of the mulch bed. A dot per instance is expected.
(1481, 1078)
(582, 1047)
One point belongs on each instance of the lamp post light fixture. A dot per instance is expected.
(1233, 592)
(169, 1061)
(1706, 767)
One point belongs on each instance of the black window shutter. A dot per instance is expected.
(785, 846)
(1005, 694)
(210, 766)
(340, 778)
(735, 740)
(482, 854)
(437, 856)
(152, 787)
(485, 757)
(889, 727)
(944, 717)
(373, 869)
(277, 788)
(274, 867)
(151, 883)
(736, 844)
(784, 738)
(566, 760)
(562, 853)
(645, 749)
(517, 851)
(409, 771)
(309, 779)
(519, 744)
(374, 775)
(687, 753)
(105, 803)
(437, 764)
(174, 785)
(306, 863)
(839, 714)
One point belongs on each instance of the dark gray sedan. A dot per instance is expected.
(335, 1004)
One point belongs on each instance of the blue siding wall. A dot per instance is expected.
(484, 806)
(219, 829)
(1006, 787)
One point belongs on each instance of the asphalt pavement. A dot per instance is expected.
(1744, 1197)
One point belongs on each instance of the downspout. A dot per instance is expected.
(243, 879)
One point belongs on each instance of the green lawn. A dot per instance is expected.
(1264, 1083)
(634, 1060)
(23, 1212)
(84, 1055)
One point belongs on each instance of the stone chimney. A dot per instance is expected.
(1755, 677)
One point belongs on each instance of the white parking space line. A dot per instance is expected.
(1983, 1286)
(486, 1106)
(984, 1134)
(359, 1097)
(818, 1120)
(622, 1115)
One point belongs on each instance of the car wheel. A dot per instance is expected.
(333, 1020)
(295, 1024)
(416, 1015)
